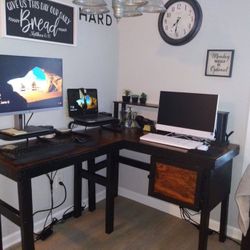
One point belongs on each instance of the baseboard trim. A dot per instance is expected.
(169, 208)
(163, 206)
(15, 237)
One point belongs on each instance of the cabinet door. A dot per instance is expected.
(174, 183)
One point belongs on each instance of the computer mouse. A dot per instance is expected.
(80, 139)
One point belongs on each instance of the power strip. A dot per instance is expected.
(70, 214)
(46, 233)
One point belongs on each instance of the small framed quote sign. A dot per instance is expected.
(219, 63)
(39, 20)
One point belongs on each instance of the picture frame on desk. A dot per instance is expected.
(219, 63)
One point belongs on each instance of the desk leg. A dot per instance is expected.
(1, 235)
(91, 186)
(116, 110)
(245, 242)
(25, 208)
(110, 190)
(203, 233)
(205, 214)
(77, 190)
(116, 172)
(223, 219)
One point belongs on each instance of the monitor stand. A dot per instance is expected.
(19, 122)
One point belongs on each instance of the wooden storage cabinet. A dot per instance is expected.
(173, 183)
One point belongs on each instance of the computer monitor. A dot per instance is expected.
(30, 84)
(82, 101)
(188, 114)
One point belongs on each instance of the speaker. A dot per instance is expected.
(221, 136)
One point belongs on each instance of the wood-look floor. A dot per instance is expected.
(137, 227)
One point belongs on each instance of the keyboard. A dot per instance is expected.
(38, 129)
(98, 118)
(171, 141)
(24, 153)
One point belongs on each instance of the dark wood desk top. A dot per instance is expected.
(214, 157)
(100, 142)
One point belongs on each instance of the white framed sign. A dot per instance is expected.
(39, 20)
(219, 63)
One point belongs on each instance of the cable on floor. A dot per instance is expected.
(47, 229)
(187, 216)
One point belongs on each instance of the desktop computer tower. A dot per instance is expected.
(221, 137)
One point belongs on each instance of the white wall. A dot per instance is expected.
(144, 62)
(148, 64)
(92, 63)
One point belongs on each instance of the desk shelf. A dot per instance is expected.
(124, 104)
(8, 137)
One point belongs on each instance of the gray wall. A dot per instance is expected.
(92, 63)
(135, 57)
(147, 63)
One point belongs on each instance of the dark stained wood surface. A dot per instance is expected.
(101, 141)
(175, 182)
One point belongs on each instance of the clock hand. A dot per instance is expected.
(176, 24)
(177, 21)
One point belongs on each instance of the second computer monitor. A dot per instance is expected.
(190, 114)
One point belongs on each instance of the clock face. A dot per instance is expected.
(181, 21)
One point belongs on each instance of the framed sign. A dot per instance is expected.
(219, 63)
(41, 20)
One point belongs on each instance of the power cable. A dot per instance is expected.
(47, 229)
(187, 216)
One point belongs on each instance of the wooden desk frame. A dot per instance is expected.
(109, 144)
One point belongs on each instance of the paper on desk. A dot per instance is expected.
(243, 201)
(13, 132)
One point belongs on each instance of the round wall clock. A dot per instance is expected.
(181, 21)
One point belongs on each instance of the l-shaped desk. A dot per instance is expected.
(191, 179)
